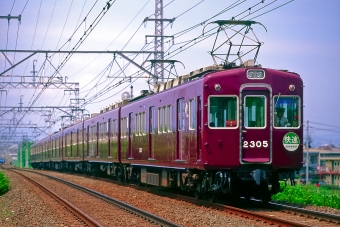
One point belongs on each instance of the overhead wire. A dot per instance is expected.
(115, 37)
(31, 48)
(142, 48)
(225, 10)
(318, 123)
(108, 6)
(49, 23)
(125, 45)
(79, 26)
(24, 7)
(324, 129)
(90, 29)
(62, 31)
(128, 40)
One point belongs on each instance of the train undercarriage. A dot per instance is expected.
(231, 184)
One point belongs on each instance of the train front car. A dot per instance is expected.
(252, 133)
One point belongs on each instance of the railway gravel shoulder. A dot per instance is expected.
(27, 205)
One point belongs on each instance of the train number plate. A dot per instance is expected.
(253, 144)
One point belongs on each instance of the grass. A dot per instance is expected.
(4, 184)
(310, 195)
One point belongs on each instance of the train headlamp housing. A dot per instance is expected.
(217, 87)
(292, 87)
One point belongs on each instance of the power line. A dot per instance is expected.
(324, 129)
(324, 124)
(24, 7)
(62, 31)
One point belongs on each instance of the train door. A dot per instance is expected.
(97, 139)
(109, 135)
(180, 130)
(151, 132)
(77, 143)
(87, 141)
(199, 128)
(255, 128)
(130, 135)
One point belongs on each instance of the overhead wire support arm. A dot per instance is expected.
(135, 64)
(121, 53)
(9, 17)
(13, 66)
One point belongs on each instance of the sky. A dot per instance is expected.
(301, 36)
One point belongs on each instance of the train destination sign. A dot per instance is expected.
(291, 141)
(255, 74)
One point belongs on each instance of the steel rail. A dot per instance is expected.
(309, 213)
(83, 216)
(235, 211)
(117, 203)
(322, 216)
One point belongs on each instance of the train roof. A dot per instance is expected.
(198, 73)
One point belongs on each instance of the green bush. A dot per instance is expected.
(4, 184)
(309, 195)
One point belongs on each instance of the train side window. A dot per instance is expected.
(160, 119)
(223, 112)
(144, 123)
(114, 129)
(109, 128)
(124, 127)
(170, 118)
(287, 111)
(192, 114)
(137, 126)
(80, 137)
(152, 120)
(255, 111)
(181, 114)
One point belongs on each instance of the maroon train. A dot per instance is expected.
(235, 130)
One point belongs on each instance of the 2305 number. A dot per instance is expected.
(253, 144)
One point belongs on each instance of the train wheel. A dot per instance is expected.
(197, 192)
(211, 197)
(138, 179)
(121, 177)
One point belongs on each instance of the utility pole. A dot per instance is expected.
(307, 155)
(26, 164)
(34, 72)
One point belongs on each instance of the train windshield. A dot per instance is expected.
(223, 112)
(255, 111)
(286, 111)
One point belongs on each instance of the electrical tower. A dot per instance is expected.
(158, 63)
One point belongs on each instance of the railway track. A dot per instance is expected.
(274, 214)
(153, 220)
(86, 219)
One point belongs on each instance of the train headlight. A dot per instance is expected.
(291, 87)
(217, 87)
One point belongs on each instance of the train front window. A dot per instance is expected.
(223, 112)
(254, 111)
(286, 111)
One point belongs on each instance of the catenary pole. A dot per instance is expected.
(307, 155)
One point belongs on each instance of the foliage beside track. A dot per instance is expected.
(310, 195)
(4, 184)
